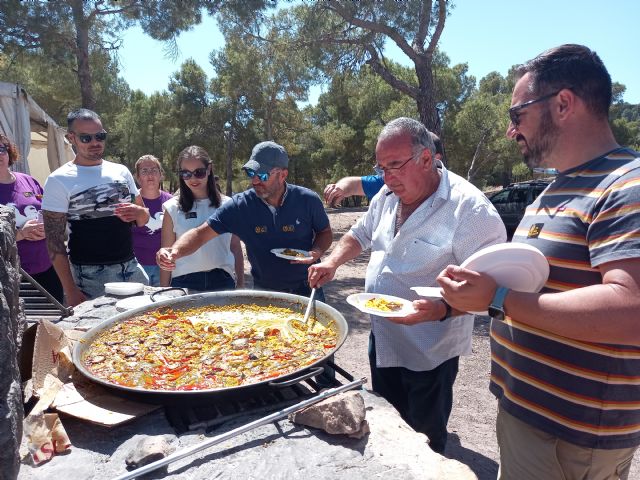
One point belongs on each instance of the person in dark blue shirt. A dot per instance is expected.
(272, 214)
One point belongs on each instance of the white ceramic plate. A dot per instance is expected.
(358, 300)
(278, 253)
(133, 302)
(517, 266)
(429, 292)
(123, 288)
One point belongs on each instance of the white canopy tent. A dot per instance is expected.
(40, 140)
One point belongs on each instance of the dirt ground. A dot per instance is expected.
(472, 437)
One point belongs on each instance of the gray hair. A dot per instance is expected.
(421, 138)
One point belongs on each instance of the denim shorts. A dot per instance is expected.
(153, 272)
(91, 278)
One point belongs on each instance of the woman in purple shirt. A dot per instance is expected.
(146, 240)
(24, 194)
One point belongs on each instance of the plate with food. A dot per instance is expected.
(291, 253)
(381, 305)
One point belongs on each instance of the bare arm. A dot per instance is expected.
(185, 245)
(31, 230)
(133, 212)
(236, 249)
(605, 313)
(347, 249)
(334, 193)
(55, 227)
(142, 216)
(322, 242)
(167, 238)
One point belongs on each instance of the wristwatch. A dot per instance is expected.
(496, 307)
(447, 312)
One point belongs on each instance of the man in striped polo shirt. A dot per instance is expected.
(566, 362)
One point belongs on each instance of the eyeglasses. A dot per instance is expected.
(262, 176)
(198, 173)
(87, 137)
(514, 112)
(149, 171)
(384, 170)
(3, 149)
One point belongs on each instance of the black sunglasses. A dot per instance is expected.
(3, 148)
(198, 173)
(514, 112)
(87, 137)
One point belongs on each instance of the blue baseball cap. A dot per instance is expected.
(267, 156)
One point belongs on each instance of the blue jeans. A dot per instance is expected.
(211, 281)
(91, 278)
(153, 272)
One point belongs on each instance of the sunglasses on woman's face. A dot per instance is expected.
(87, 137)
(198, 173)
(3, 149)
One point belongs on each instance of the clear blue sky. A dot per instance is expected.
(489, 35)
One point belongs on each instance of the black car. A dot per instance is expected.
(512, 201)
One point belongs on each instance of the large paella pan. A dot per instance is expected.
(211, 342)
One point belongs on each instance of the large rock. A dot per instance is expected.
(12, 322)
(341, 414)
(148, 450)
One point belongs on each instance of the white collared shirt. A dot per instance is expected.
(454, 222)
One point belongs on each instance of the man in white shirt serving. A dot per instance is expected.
(424, 217)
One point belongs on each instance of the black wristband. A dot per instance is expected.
(447, 313)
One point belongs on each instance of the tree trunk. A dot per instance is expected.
(82, 54)
(471, 172)
(229, 172)
(426, 100)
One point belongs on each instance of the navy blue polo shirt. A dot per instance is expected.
(293, 225)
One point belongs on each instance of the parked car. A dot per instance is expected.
(512, 201)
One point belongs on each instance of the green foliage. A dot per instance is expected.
(263, 73)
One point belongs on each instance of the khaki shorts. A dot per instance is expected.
(529, 453)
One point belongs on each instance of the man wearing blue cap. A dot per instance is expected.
(272, 214)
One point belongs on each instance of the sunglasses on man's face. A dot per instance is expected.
(198, 173)
(87, 137)
(263, 177)
(515, 111)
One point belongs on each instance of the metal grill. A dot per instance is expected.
(38, 303)
(208, 416)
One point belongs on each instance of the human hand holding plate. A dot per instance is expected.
(517, 266)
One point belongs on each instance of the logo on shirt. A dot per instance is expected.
(534, 230)
(288, 228)
(261, 229)
(191, 215)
